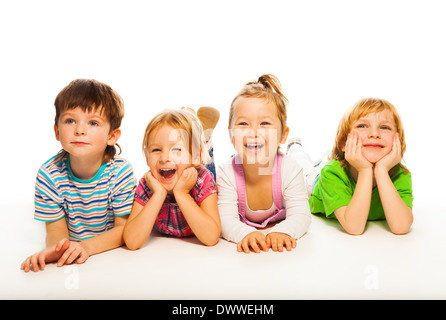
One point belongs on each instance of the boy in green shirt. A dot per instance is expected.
(365, 179)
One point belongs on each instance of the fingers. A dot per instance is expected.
(35, 262)
(350, 146)
(187, 180)
(255, 241)
(190, 174)
(62, 245)
(353, 144)
(397, 143)
(63, 253)
(148, 177)
(246, 244)
(26, 265)
(70, 256)
(280, 241)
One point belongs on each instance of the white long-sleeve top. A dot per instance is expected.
(295, 200)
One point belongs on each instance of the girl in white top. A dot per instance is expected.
(261, 186)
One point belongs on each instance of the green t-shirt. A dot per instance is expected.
(335, 187)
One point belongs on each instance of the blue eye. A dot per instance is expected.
(69, 121)
(94, 123)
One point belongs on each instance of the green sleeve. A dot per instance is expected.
(333, 189)
(403, 184)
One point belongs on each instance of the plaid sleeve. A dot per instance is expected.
(205, 185)
(142, 193)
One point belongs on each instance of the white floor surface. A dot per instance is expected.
(327, 264)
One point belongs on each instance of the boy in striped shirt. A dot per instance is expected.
(84, 193)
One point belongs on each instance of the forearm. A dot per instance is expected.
(142, 219)
(295, 225)
(353, 217)
(398, 215)
(108, 240)
(56, 231)
(205, 227)
(232, 229)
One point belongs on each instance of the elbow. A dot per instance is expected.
(402, 227)
(132, 246)
(400, 230)
(354, 230)
(353, 227)
(211, 241)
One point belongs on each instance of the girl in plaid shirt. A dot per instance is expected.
(177, 195)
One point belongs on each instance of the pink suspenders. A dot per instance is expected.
(277, 192)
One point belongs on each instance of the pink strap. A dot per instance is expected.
(276, 188)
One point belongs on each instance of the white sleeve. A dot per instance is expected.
(232, 229)
(295, 200)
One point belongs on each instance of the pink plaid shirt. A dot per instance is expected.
(170, 219)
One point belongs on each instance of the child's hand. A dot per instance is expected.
(392, 158)
(38, 261)
(278, 240)
(353, 152)
(187, 180)
(75, 253)
(253, 240)
(153, 183)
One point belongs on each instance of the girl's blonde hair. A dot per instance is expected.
(361, 109)
(189, 127)
(266, 87)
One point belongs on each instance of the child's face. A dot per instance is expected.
(83, 134)
(168, 155)
(256, 130)
(376, 131)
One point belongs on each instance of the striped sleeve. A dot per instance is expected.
(47, 202)
(124, 190)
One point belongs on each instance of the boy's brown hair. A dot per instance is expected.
(91, 96)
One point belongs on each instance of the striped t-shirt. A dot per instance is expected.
(89, 206)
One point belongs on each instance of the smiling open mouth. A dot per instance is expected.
(167, 173)
(254, 146)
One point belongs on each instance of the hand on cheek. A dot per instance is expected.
(353, 152)
(187, 180)
(393, 157)
(153, 183)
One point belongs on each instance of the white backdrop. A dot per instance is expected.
(158, 54)
(168, 54)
